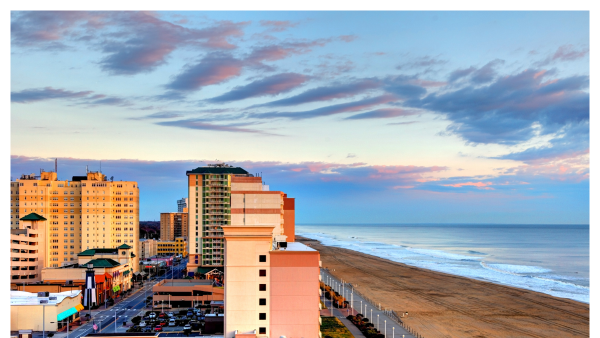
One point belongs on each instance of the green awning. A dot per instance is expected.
(66, 314)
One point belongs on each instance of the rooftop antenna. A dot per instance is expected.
(56, 166)
(100, 166)
(86, 169)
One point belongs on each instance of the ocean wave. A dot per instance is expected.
(476, 252)
(443, 254)
(514, 269)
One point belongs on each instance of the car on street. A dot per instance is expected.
(142, 324)
(187, 327)
(171, 322)
(146, 329)
(158, 328)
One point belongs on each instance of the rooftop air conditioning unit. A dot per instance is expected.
(44, 294)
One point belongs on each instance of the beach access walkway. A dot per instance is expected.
(384, 323)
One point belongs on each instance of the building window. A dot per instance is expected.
(262, 316)
(262, 287)
(262, 258)
(262, 330)
(262, 273)
(262, 301)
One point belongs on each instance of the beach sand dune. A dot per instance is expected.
(442, 305)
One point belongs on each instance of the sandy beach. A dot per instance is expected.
(442, 305)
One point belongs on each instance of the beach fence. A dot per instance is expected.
(390, 313)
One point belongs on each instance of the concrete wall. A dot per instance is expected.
(29, 317)
(294, 294)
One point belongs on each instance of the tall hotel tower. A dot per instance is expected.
(84, 213)
(221, 195)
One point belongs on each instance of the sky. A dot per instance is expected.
(363, 117)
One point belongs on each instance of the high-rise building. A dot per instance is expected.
(221, 195)
(86, 212)
(182, 204)
(173, 225)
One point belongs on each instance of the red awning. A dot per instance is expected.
(107, 275)
(99, 278)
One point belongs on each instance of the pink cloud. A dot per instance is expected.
(481, 185)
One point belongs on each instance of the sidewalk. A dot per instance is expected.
(385, 323)
(333, 312)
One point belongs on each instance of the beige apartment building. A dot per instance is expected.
(27, 249)
(86, 212)
(173, 225)
(177, 247)
(221, 195)
(148, 248)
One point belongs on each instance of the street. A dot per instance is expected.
(123, 309)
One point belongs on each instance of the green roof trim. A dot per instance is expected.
(205, 270)
(33, 217)
(103, 263)
(218, 170)
(97, 251)
(124, 246)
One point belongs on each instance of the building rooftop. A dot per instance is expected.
(33, 217)
(218, 170)
(295, 246)
(124, 246)
(184, 282)
(103, 263)
(98, 251)
(30, 298)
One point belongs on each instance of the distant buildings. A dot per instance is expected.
(173, 225)
(147, 248)
(86, 212)
(221, 195)
(176, 247)
(182, 204)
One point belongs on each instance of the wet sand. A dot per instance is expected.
(442, 305)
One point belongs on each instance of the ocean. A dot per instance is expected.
(551, 259)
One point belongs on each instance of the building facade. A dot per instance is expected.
(148, 248)
(86, 212)
(221, 195)
(176, 247)
(27, 249)
(173, 225)
(271, 288)
(27, 310)
(182, 204)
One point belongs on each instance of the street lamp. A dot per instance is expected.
(385, 326)
(377, 322)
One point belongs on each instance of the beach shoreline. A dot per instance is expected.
(445, 305)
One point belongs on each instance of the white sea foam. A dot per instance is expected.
(514, 269)
(466, 266)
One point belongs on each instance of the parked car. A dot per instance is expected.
(171, 322)
(161, 315)
(146, 329)
(189, 314)
(152, 315)
(157, 328)
(142, 324)
(187, 327)
(170, 314)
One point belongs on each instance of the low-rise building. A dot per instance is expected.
(28, 311)
(148, 248)
(27, 249)
(176, 247)
(185, 293)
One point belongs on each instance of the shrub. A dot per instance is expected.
(136, 320)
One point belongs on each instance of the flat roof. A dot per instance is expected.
(185, 282)
(296, 246)
(30, 298)
(218, 170)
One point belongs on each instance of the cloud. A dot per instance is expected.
(47, 93)
(326, 93)
(404, 87)
(134, 42)
(513, 108)
(200, 124)
(271, 85)
(351, 156)
(330, 110)
(563, 54)
(213, 68)
(480, 185)
(422, 62)
(381, 114)
(277, 26)
(481, 75)
(400, 123)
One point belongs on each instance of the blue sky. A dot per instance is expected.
(385, 117)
